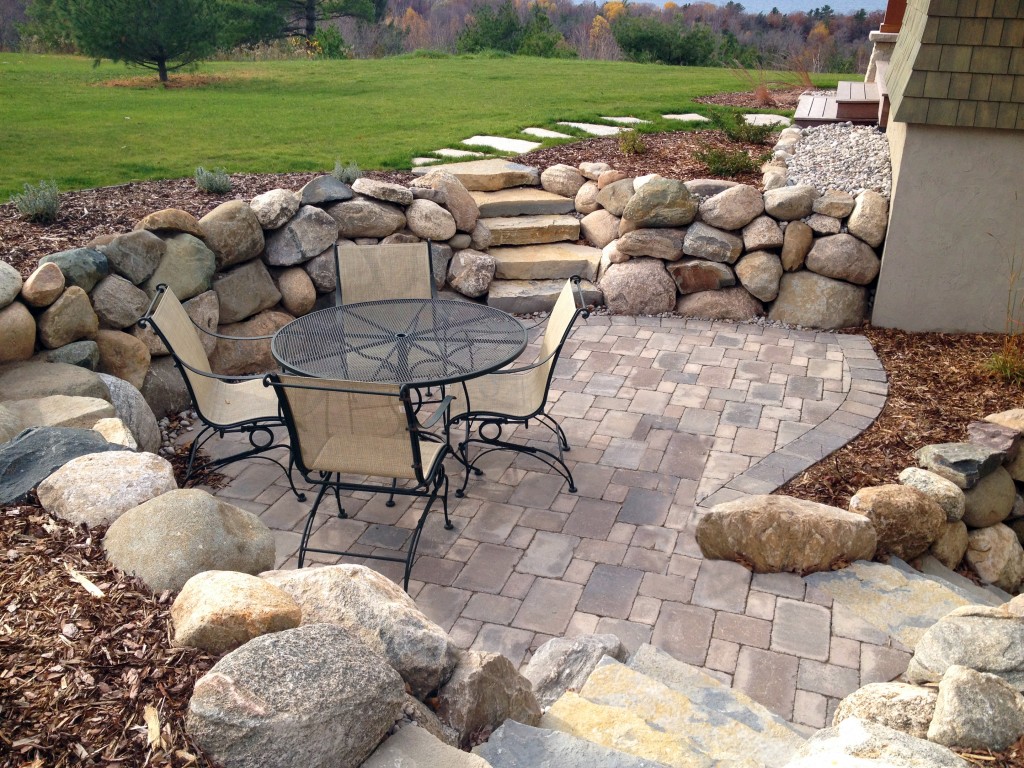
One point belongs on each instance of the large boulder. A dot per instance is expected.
(712, 244)
(585, 201)
(376, 609)
(274, 208)
(869, 218)
(84, 354)
(844, 257)
(696, 275)
(168, 540)
(298, 294)
(976, 710)
(164, 389)
(83, 267)
(638, 287)
(134, 255)
(565, 663)
(471, 272)
(906, 521)
(203, 310)
(815, 301)
(36, 379)
(562, 180)
(169, 221)
(665, 244)
(733, 303)
(943, 492)
(248, 356)
(45, 285)
(733, 208)
(187, 267)
(98, 488)
(835, 203)
(457, 198)
(614, 197)
(996, 555)
(61, 411)
(902, 707)
(760, 272)
(314, 696)
(124, 356)
(789, 203)
(363, 217)
(309, 233)
(763, 233)
(659, 203)
(17, 333)
(10, 424)
(11, 284)
(429, 221)
(68, 319)
(951, 546)
(233, 233)
(856, 743)
(991, 500)
(383, 190)
(775, 534)
(323, 271)
(325, 189)
(131, 408)
(965, 464)
(797, 242)
(118, 303)
(600, 227)
(245, 291)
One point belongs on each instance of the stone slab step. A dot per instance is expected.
(545, 133)
(502, 144)
(449, 152)
(983, 595)
(900, 604)
(759, 119)
(550, 261)
(594, 129)
(522, 297)
(515, 745)
(521, 201)
(625, 120)
(413, 747)
(489, 175)
(688, 117)
(530, 230)
(710, 715)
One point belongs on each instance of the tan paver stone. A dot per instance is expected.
(768, 678)
(801, 629)
(684, 631)
(509, 642)
(548, 606)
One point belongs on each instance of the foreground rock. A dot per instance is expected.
(809, 299)
(314, 696)
(906, 521)
(564, 663)
(638, 287)
(905, 708)
(856, 743)
(976, 710)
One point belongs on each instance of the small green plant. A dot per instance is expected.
(346, 172)
(216, 182)
(725, 162)
(39, 203)
(736, 128)
(1008, 363)
(631, 142)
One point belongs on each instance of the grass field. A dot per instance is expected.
(85, 126)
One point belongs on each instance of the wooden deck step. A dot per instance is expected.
(819, 110)
(857, 100)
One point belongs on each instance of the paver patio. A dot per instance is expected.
(666, 417)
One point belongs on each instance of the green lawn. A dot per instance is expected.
(62, 120)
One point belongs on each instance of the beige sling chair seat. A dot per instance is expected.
(359, 436)
(225, 404)
(379, 272)
(517, 396)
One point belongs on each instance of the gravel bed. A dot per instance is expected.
(842, 156)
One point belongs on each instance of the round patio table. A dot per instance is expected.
(421, 342)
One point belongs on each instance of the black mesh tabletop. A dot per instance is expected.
(400, 341)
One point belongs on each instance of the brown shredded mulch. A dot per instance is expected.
(784, 97)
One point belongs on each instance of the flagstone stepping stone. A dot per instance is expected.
(625, 120)
(527, 230)
(521, 201)
(448, 152)
(546, 262)
(417, 161)
(544, 133)
(489, 175)
(501, 143)
(756, 119)
(595, 130)
(690, 117)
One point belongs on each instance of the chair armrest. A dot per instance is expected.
(221, 376)
(443, 406)
(524, 368)
(230, 338)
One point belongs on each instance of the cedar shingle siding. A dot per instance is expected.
(960, 63)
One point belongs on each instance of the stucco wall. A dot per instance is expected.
(956, 230)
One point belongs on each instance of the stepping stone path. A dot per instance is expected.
(544, 133)
(625, 120)
(502, 144)
(448, 152)
(691, 117)
(594, 129)
(758, 119)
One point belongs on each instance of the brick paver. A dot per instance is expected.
(666, 418)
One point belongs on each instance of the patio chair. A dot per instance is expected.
(379, 272)
(517, 396)
(368, 433)
(225, 404)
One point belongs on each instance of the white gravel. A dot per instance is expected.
(842, 156)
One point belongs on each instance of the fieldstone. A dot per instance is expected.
(942, 491)
(84, 354)
(460, 242)
(164, 389)
(796, 244)
(307, 234)
(363, 217)
(640, 286)
(10, 284)
(996, 555)
(134, 255)
(776, 534)
(327, 189)
(10, 424)
(774, 177)
(724, 304)
(425, 193)
(611, 176)
(600, 227)
(760, 272)
(298, 294)
(83, 267)
(712, 244)
(815, 301)
(856, 743)
(383, 190)
(98, 488)
(429, 221)
(593, 171)
(902, 707)
(962, 463)
(470, 272)
(951, 546)
(171, 220)
(375, 609)
(658, 203)
(824, 225)
(733, 208)
(835, 203)
(991, 500)
(218, 611)
(789, 203)
(68, 319)
(615, 196)
(997, 437)
(869, 218)
(483, 692)
(1013, 419)
(586, 199)
(273, 209)
(696, 275)
(248, 356)
(131, 407)
(245, 291)
(709, 187)
(36, 453)
(314, 696)
(187, 267)
(440, 257)
(423, 717)
(906, 521)
(233, 233)
(323, 271)
(481, 237)
(118, 303)
(17, 333)
(203, 310)
(454, 196)
(665, 244)
(761, 234)
(115, 431)
(122, 355)
(415, 747)
(976, 710)
(562, 180)
(514, 745)
(36, 379)
(61, 411)
(611, 254)
(44, 285)
(844, 257)
(565, 663)
(169, 539)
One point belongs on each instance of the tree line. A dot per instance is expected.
(171, 34)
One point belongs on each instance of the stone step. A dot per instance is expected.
(711, 715)
(502, 144)
(521, 201)
(488, 175)
(545, 133)
(902, 605)
(413, 747)
(546, 262)
(528, 230)
(522, 297)
(594, 129)
(987, 594)
(515, 745)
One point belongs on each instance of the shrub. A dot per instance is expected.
(328, 44)
(346, 172)
(736, 128)
(216, 182)
(631, 142)
(38, 203)
(724, 162)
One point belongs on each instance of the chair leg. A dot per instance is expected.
(444, 503)
(495, 443)
(308, 529)
(391, 498)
